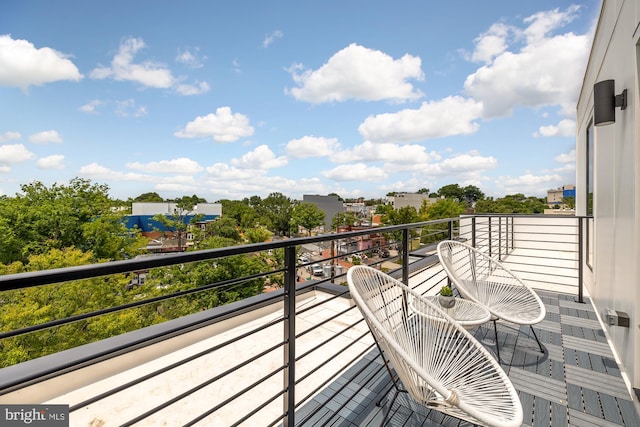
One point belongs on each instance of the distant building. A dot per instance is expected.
(401, 200)
(160, 238)
(330, 205)
(557, 197)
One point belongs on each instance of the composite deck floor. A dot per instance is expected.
(575, 382)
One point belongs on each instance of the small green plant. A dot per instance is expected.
(446, 291)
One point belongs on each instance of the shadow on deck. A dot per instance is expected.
(576, 382)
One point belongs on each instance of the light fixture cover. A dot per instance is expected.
(604, 100)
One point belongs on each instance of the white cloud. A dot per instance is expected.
(410, 154)
(193, 89)
(91, 106)
(11, 154)
(569, 157)
(312, 146)
(46, 137)
(490, 44)
(566, 127)
(9, 136)
(147, 73)
(356, 172)
(260, 158)
(357, 72)
(453, 115)
(128, 108)
(222, 126)
(190, 58)
(122, 67)
(224, 172)
(543, 23)
(542, 73)
(55, 161)
(461, 164)
(124, 108)
(181, 165)
(529, 184)
(97, 171)
(23, 65)
(270, 38)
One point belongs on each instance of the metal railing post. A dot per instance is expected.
(580, 259)
(450, 229)
(473, 231)
(405, 256)
(289, 372)
(500, 238)
(490, 236)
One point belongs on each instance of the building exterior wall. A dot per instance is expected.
(168, 208)
(330, 205)
(402, 200)
(612, 275)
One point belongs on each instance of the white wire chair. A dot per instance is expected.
(436, 360)
(486, 281)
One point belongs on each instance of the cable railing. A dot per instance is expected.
(315, 333)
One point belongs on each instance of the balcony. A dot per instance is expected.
(302, 354)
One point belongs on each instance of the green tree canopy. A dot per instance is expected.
(307, 215)
(149, 198)
(514, 203)
(277, 209)
(348, 219)
(245, 215)
(452, 191)
(42, 218)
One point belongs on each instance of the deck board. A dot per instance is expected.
(576, 382)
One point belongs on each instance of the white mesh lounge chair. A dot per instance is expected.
(436, 360)
(486, 281)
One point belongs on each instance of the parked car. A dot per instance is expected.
(384, 253)
(316, 269)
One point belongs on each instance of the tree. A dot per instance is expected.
(337, 195)
(149, 198)
(452, 191)
(404, 215)
(471, 194)
(569, 201)
(178, 221)
(514, 203)
(42, 218)
(348, 219)
(36, 305)
(443, 208)
(245, 215)
(277, 209)
(226, 227)
(257, 234)
(307, 215)
(423, 191)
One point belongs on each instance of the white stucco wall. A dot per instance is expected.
(614, 281)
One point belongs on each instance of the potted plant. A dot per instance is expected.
(446, 298)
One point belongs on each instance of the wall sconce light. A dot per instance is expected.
(605, 102)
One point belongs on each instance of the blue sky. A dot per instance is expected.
(232, 99)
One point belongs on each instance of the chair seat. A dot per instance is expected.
(513, 303)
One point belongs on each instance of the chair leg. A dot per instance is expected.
(388, 410)
(536, 337)
(495, 331)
